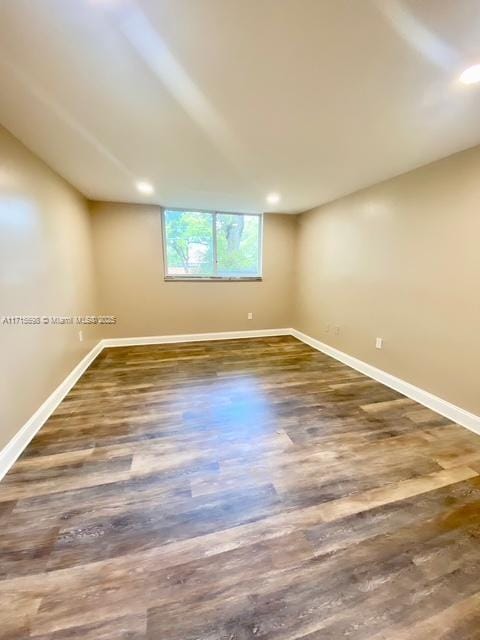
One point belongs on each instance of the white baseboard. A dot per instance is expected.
(194, 337)
(21, 439)
(427, 399)
(11, 452)
(19, 442)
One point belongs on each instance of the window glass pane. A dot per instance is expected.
(237, 245)
(204, 244)
(189, 243)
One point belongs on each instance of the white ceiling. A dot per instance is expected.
(218, 102)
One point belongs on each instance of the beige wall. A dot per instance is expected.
(129, 268)
(401, 260)
(46, 267)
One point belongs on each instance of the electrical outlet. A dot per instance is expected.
(337, 330)
(80, 336)
(379, 343)
(250, 315)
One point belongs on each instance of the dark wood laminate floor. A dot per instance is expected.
(240, 490)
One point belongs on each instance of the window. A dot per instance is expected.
(209, 245)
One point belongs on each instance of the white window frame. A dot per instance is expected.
(214, 278)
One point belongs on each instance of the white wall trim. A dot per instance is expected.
(19, 442)
(427, 399)
(16, 446)
(194, 337)
(11, 452)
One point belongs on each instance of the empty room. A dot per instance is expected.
(239, 319)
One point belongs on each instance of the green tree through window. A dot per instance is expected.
(212, 245)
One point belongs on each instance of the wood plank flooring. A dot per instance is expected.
(240, 490)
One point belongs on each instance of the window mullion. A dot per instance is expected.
(214, 235)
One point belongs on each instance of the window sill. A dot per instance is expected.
(213, 279)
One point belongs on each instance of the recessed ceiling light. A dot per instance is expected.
(471, 75)
(273, 198)
(144, 187)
